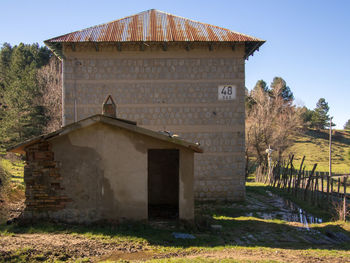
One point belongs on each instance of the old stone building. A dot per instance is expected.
(106, 168)
(166, 73)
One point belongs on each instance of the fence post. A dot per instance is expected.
(316, 189)
(331, 185)
(291, 173)
(309, 180)
(299, 177)
(328, 187)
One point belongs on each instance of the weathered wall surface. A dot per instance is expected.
(174, 90)
(103, 174)
(43, 180)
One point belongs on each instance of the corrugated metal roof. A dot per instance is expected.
(154, 26)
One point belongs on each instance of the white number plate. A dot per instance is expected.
(226, 92)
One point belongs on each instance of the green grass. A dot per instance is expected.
(14, 168)
(315, 146)
(231, 216)
(205, 260)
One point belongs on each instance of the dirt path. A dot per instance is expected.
(68, 247)
(61, 246)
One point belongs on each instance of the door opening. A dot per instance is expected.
(163, 184)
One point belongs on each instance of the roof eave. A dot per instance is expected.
(254, 47)
(126, 124)
(56, 48)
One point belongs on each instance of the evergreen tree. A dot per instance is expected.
(5, 59)
(261, 84)
(320, 117)
(347, 125)
(306, 115)
(283, 90)
(22, 116)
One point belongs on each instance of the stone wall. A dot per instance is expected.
(43, 181)
(175, 90)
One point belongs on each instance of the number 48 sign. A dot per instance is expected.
(226, 92)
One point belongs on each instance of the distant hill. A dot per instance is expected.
(315, 146)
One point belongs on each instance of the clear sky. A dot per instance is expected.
(307, 40)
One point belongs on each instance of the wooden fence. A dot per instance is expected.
(320, 189)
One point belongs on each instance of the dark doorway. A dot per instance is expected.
(163, 184)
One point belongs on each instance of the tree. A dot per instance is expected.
(261, 85)
(347, 125)
(279, 88)
(305, 115)
(5, 58)
(271, 121)
(22, 115)
(50, 83)
(320, 117)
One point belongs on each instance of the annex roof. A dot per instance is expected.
(124, 124)
(155, 26)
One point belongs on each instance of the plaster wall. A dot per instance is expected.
(174, 90)
(104, 171)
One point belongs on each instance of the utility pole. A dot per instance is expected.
(330, 154)
(330, 145)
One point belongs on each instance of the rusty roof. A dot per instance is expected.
(155, 26)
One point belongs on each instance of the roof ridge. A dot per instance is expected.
(196, 21)
(159, 11)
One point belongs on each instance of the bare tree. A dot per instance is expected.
(50, 80)
(271, 120)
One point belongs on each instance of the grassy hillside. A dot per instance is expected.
(13, 166)
(315, 146)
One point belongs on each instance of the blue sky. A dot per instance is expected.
(307, 41)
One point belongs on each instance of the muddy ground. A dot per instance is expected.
(60, 247)
(67, 247)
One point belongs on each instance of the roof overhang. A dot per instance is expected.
(154, 26)
(121, 123)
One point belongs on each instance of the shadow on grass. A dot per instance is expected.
(341, 137)
(270, 234)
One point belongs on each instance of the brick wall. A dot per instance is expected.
(43, 180)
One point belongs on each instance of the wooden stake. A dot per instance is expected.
(344, 199)
(328, 187)
(309, 181)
